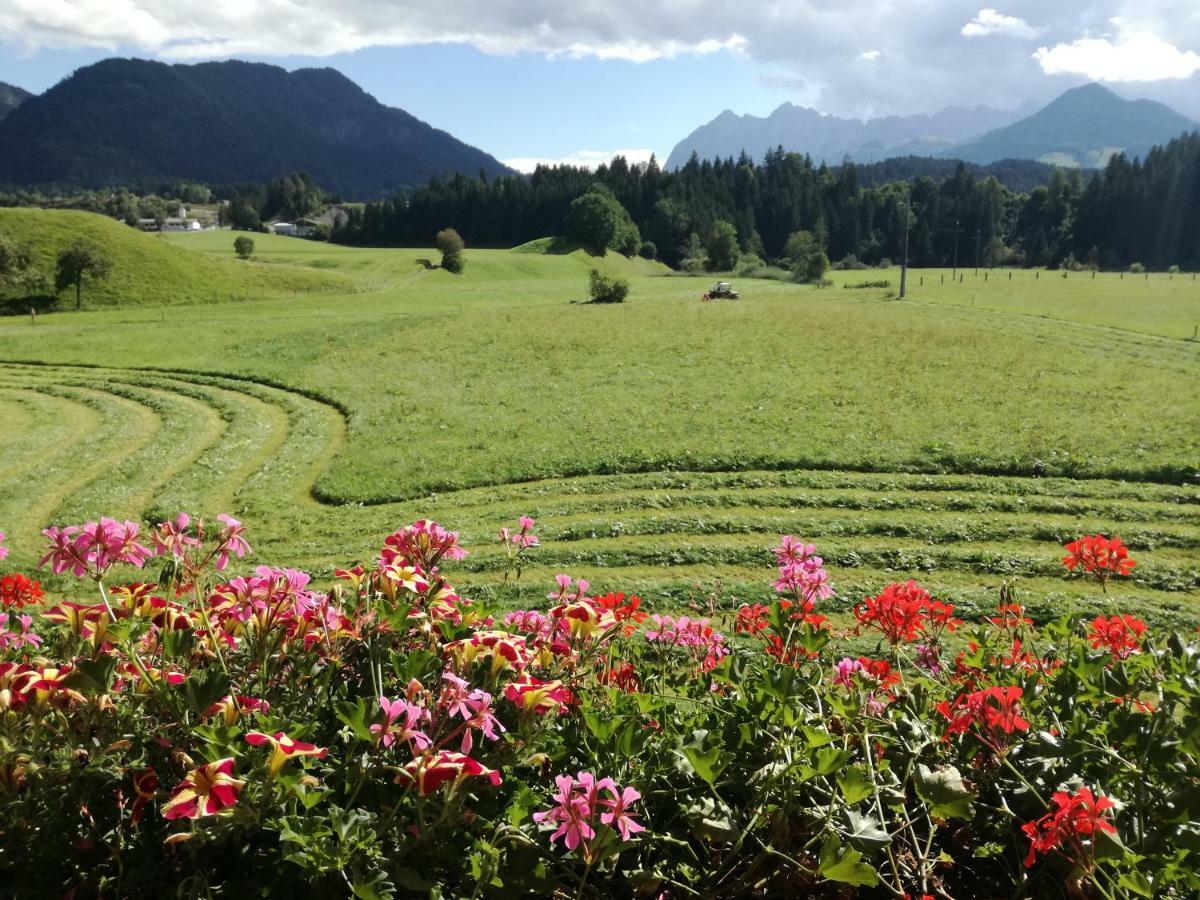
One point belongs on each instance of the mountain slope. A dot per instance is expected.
(831, 139)
(139, 123)
(11, 97)
(1082, 127)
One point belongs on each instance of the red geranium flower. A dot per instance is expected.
(905, 613)
(1075, 817)
(1098, 556)
(624, 610)
(992, 715)
(1121, 635)
(17, 591)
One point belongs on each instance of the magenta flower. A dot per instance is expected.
(172, 538)
(570, 813)
(844, 671)
(3, 549)
(13, 640)
(232, 542)
(617, 815)
(93, 548)
(409, 715)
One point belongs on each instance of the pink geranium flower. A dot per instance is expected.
(409, 716)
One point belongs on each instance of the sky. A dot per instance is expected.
(535, 80)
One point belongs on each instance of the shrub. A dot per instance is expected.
(197, 734)
(647, 250)
(1137, 269)
(243, 246)
(881, 283)
(603, 289)
(451, 245)
(849, 262)
(1173, 270)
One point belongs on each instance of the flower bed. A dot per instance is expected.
(201, 734)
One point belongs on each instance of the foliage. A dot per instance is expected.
(79, 261)
(597, 222)
(450, 244)
(198, 734)
(806, 257)
(721, 248)
(603, 289)
(243, 246)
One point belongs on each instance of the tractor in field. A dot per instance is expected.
(722, 290)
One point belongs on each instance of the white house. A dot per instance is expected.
(286, 228)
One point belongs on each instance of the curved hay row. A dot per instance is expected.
(257, 450)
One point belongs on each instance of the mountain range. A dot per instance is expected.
(11, 97)
(139, 123)
(1082, 127)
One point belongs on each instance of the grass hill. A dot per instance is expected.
(138, 123)
(147, 270)
(11, 97)
(1082, 127)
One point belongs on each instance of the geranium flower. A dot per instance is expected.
(579, 807)
(232, 542)
(409, 715)
(618, 815)
(1076, 817)
(3, 549)
(283, 748)
(204, 791)
(173, 539)
(1120, 635)
(624, 609)
(905, 613)
(17, 591)
(423, 544)
(993, 713)
(93, 548)
(1100, 557)
(431, 772)
(11, 639)
(570, 813)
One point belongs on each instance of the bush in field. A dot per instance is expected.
(721, 248)
(1137, 269)
(603, 289)
(243, 246)
(648, 250)
(79, 261)
(451, 245)
(187, 732)
(598, 222)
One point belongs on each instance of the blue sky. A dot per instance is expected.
(543, 79)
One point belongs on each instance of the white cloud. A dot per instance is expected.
(991, 22)
(1133, 56)
(870, 55)
(588, 159)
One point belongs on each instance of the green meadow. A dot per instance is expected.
(957, 437)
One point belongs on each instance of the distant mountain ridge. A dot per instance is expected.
(11, 97)
(1082, 127)
(139, 123)
(831, 139)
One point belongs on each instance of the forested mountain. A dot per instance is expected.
(832, 139)
(11, 97)
(1084, 127)
(1144, 211)
(136, 123)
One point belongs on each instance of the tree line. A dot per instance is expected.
(1133, 211)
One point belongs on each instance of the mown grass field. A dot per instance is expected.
(958, 437)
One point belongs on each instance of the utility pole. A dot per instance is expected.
(978, 235)
(907, 225)
(955, 275)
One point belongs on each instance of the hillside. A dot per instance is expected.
(831, 139)
(11, 97)
(147, 270)
(137, 123)
(1083, 127)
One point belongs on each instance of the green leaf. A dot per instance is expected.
(1136, 882)
(705, 763)
(864, 831)
(357, 717)
(830, 759)
(944, 791)
(93, 676)
(845, 865)
(201, 693)
(854, 785)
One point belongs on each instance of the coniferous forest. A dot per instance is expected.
(1145, 211)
